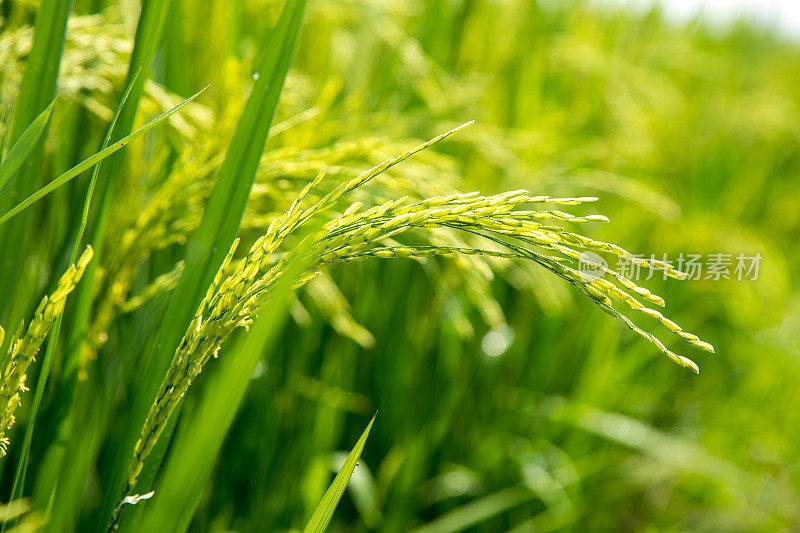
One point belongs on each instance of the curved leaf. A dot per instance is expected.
(324, 511)
(24, 146)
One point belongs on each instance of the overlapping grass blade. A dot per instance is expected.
(324, 511)
(93, 160)
(148, 35)
(23, 147)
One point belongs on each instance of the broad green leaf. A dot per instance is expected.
(96, 158)
(23, 147)
(324, 511)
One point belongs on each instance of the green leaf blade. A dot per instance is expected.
(324, 511)
(24, 146)
(89, 162)
(36, 91)
(226, 205)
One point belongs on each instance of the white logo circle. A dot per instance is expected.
(592, 264)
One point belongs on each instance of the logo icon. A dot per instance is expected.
(592, 264)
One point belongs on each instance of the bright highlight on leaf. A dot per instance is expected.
(136, 498)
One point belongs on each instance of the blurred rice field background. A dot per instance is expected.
(506, 400)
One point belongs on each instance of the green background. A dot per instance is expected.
(689, 136)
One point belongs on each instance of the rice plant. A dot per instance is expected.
(232, 301)
(232, 321)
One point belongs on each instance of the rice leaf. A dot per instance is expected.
(36, 92)
(96, 158)
(23, 147)
(324, 511)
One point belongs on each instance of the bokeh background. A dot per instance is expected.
(506, 401)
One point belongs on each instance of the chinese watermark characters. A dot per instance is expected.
(714, 266)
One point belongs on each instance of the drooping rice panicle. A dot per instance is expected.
(509, 232)
(24, 347)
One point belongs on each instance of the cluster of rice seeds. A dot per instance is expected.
(353, 235)
(224, 308)
(24, 347)
(496, 215)
(171, 213)
(232, 302)
(235, 296)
